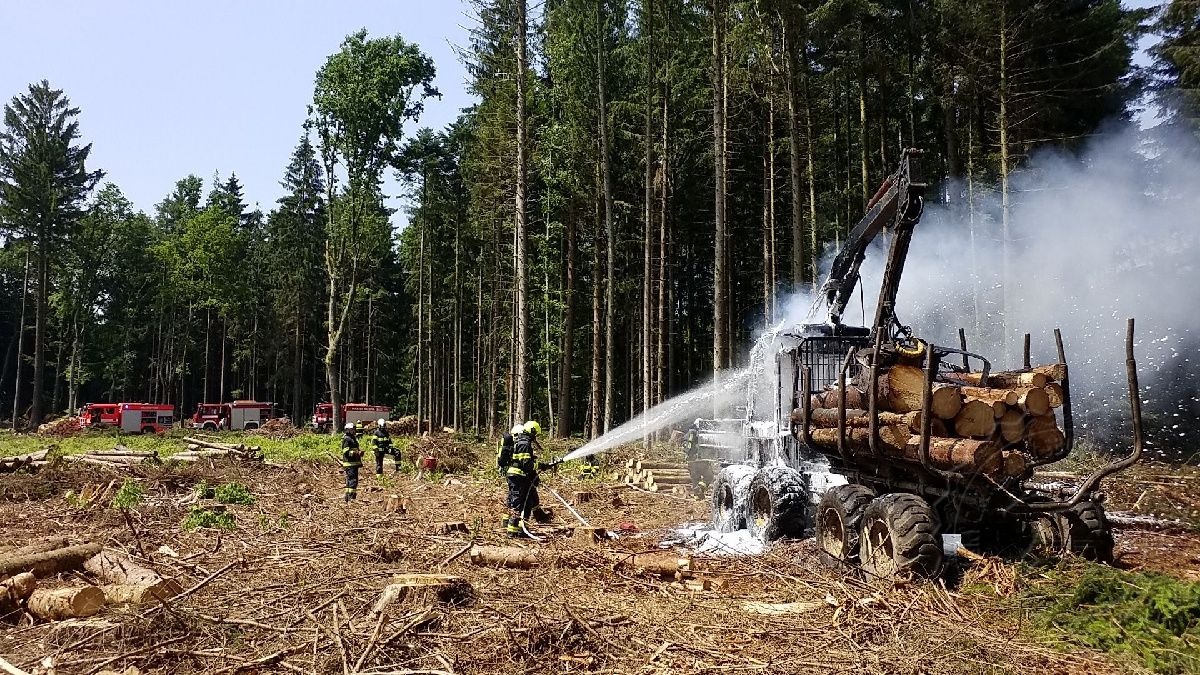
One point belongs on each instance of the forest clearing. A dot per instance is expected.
(291, 583)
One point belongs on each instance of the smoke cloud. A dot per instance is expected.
(1096, 237)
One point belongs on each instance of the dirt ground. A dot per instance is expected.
(292, 587)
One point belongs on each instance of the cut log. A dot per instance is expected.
(17, 462)
(424, 589)
(1006, 396)
(902, 387)
(1034, 401)
(664, 565)
(1000, 380)
(977, 419)
(15, 591)
(47, 564)
(56, 604)
(1054, 392)
(1053, 371)
(855, 398)
(998, 407)
(117, 568)
(958, 454)
(652, 466)
(1012, 426)
(130, 594)
(503, 556)
(1043, 436)
(1014, 463)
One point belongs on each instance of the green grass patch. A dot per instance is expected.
(233, 493)
(128, 495)
(201, 517)
(1148, 618)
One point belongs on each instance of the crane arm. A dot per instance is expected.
(897, 208)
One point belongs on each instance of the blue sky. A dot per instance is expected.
(172, 87)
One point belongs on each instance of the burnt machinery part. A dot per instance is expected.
(778, 503)
(839, 516)
(729, 497)
(899, 538)
(1085, 532)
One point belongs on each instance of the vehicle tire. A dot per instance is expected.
(148, 430)
(729, 492)
(250, 426)
(838, 521)
(209, 426)
(1086, 533)
(778, 504)
(899, 538)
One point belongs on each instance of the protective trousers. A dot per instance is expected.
(380, 453)
(351, 482)
(522, 500)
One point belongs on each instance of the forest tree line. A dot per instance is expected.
(638, 186)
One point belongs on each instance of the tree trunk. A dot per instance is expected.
(596, 404)
(610, 303)
(1005, 205)
(420, 374)
(664, 182)
(814, 253)
(39, 335)
(48, 563)
(566, 363)
(648, 231)
(720, 272)
(20, 346)
(791, 39)
(862, 113)
(297, 369)
(522, 309)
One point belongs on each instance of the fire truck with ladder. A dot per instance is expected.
(351, 412)
(147, 418)
(237, 416)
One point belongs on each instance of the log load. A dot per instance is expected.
(1054, 392)
(855, 398)
(1034, 401)
(49, 563)
(1054, 371)
(976, 419)
(949, 454)
(901, 389)
(1043, 437)
(826, 418)
(1002, 380)
(1012, 426)
(1014, 463)
(56, 604)
(116, 568)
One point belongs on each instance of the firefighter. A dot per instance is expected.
(351, 461)
(591, 468)
(505, 448)
(691, 443)
(522, 476)
(381, 442)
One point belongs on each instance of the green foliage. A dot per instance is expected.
(128, 496)
(1150, 618)
(233, 493)
(200, 517)
(203, 490)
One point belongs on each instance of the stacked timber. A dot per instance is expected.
(1000, 429)
(657, 476)
(199, 448)
(32, 462)
(120, 457)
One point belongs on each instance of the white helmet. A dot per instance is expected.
(349, 426)
(381, 421)
(517, 429)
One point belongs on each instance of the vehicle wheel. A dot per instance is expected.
(839, 517)
(209, 426)
(147, 430)
(1086, 533)
(250, 426)
(899, 538)
(777, 505)
(729, 497)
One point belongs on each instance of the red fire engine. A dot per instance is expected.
(148, 418)
(238, 415)
(351, 412)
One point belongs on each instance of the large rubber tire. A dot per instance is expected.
(778, 504)
(729, 491)
(1086, 533)
(838, 521)
(899, 538)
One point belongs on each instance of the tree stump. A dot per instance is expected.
(424, 589)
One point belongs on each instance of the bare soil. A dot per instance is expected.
(291, 588)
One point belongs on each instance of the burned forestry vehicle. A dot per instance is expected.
(880, 442)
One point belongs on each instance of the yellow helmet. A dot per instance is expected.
(532, 427)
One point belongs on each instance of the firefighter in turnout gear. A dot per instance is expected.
(381, 442)
(521, 473)
(505, 449)
(351, 461)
